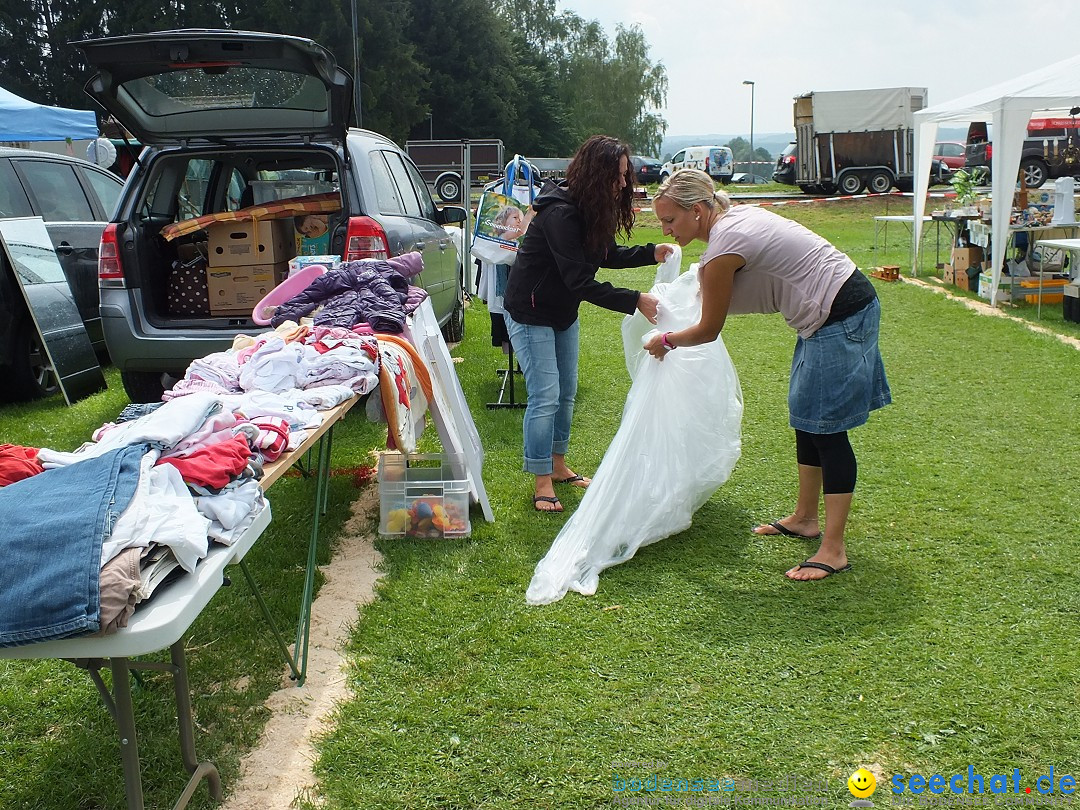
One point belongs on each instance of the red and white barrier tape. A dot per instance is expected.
(832, 199)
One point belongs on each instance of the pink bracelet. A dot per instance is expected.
(667, 343)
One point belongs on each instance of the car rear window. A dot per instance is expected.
(239, 87)
(386, 192)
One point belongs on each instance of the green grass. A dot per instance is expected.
(950, 644)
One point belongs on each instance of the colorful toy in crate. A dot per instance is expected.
(397, 521)
(429, 517)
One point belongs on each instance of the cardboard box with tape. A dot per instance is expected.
(239, 244)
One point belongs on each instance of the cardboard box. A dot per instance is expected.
(298, 263)
(985, 284)
(236, 290)
(965, 257)
(948, 274)
(244, 244)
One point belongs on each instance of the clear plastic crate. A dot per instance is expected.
(418, 497)
(267, 191)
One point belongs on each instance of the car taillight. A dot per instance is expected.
(989, 151)
(109, 266)
(789, 159)
(365, 239)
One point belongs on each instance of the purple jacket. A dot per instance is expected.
(371, 292)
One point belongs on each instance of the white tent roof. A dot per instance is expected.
(1008, 106)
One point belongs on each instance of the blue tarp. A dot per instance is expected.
(22, 120)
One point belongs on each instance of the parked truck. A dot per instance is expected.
(851, 140)
(442, 163)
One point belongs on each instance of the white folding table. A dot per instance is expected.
(159, 623)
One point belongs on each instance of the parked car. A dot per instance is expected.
(951, 153)
(785, 166)
(646, 169)
(1051, 150)
(746, 178)
(76, 199)
(217, 131)
(717, 161)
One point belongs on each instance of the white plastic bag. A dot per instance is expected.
(635, 326)
(678, 442)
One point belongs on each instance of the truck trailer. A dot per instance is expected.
(442, 163)
(851, 140)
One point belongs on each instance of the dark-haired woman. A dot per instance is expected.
(571, 236)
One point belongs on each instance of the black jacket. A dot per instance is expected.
(553, 274)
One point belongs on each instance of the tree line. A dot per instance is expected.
(519, 70)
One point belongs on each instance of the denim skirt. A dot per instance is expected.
(837, 376)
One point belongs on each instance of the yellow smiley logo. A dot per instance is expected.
(862, 784)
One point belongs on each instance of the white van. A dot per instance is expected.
(717, 161)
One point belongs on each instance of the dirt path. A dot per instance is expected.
(984, 308)
(278, 770)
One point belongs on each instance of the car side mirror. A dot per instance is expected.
(450, 214)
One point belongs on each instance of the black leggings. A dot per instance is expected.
(833, 454)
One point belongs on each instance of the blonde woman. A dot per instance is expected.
(758, 261)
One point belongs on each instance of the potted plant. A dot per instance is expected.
(965, 183)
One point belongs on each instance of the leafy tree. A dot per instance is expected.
(21, 58)
(740, 148)
(604, 87)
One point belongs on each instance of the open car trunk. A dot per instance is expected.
(215, 230)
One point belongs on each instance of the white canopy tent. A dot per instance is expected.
(1008, 107)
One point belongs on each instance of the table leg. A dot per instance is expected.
(125, 725)
(198, 770)
(303, 628)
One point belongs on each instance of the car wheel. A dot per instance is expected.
(906, 184)
(454, 329)
(1034, 172)
(143, 386)
(448, 186)
(880, 182)
(31, 374)
(807, 188)
(851, 183)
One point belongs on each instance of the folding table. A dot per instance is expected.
(323, 435)
(160, 623)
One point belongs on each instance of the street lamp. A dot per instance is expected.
(751, 128)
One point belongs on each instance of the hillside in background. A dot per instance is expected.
(774, 142)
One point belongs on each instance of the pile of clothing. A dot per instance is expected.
(368, 291)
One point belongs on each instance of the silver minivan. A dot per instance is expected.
(232, 119)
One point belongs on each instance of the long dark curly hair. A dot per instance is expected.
(591, 179)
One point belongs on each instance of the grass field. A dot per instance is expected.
(951, 642)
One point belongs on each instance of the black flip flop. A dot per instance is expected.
(784, 530)
(572, 480)
(828, 569)
(537, 499)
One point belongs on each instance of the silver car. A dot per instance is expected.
(75, 198)
(232, 119)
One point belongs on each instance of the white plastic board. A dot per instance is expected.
(449, 410)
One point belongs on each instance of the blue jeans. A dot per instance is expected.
(549, 361)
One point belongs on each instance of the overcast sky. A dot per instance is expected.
(789, 47)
